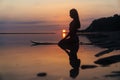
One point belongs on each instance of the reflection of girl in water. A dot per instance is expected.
(70, 44)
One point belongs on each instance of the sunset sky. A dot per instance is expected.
(28, 15)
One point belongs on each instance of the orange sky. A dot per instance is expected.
(56, 11)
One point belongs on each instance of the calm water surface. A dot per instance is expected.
(21, 61)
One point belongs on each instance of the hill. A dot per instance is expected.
(105, 24)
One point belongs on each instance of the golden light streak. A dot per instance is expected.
(63, 33)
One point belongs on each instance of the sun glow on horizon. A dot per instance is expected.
(64, 33)
(63, 30)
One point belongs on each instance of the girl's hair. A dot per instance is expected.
(75, 16)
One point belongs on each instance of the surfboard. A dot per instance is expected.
(42, 43)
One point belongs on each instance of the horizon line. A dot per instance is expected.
(29, 33)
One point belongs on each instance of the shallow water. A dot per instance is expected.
(21, 61)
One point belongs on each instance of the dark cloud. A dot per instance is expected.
(21, 22)
(28, 22)
(2, 22)
(29, 28)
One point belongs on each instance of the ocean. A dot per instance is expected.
(20, 60)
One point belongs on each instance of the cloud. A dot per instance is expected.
(28, 22)
(21, 22)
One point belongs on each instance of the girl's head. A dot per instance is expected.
(74, 14)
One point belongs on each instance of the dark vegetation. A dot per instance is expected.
(105, 24)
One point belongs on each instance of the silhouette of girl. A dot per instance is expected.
(70, 44)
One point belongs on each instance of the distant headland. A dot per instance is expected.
(104, 24)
